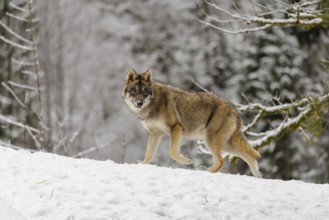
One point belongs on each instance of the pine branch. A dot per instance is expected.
(312, 105)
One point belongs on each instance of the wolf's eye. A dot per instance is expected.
(132, 91)
(145, 91)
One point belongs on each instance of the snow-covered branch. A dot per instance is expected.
(281, 13)
(306, 108)
(267, 110)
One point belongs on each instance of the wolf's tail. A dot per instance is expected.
(241, 143)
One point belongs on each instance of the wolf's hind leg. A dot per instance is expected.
(174, 150)
(251, 161)
(152, 144)
(215, 149)
(216, 141)
(246, 152)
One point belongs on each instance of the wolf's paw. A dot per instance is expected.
(180, 158)
(212, 169)
(258, 175)
(144, 162)
(184, 160)
(215, 168)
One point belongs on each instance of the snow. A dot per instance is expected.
(7, 212)
(48, 186)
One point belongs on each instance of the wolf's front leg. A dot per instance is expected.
(152, 144)
(174, 150)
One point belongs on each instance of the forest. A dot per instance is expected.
(63, 66)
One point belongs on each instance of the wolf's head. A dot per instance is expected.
(138, 92)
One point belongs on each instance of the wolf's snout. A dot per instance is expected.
(139, 103)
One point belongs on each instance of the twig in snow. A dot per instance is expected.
(52, 193)
(90, 150)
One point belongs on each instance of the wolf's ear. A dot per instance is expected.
(147, 76)
(131, 75)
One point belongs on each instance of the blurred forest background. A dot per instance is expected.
(85, 48)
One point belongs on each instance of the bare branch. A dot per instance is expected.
(14, 33)
(14, 95)
(36, 142)
(14, 44)
(18, 124)
(29, 73)
(20, 18)
(90, 150)
(22, 63)
(11, 4)
(22, 86)
(200, 86)
(256, 119)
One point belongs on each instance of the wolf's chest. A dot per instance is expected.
(156, 125)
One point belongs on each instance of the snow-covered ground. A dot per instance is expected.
(47, 186)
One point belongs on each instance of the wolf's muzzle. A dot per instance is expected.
(139, 103)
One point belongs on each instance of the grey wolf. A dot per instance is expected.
(166, 110)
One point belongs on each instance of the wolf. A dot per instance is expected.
(168, 111)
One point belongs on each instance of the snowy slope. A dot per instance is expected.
(47, 186)
(7, 212)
